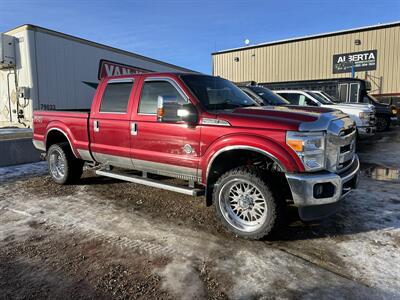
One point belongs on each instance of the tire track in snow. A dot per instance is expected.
(120, 241)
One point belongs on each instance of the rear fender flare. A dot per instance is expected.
(60, 127)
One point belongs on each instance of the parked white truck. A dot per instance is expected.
(362, 114)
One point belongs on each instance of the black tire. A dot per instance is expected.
(388, 124)
(72, 167)
(273, 217)
(382, 123)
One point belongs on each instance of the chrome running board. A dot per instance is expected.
(151, 182)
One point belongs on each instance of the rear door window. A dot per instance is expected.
(116, 97)
(293, 98)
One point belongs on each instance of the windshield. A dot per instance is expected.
(268, 96)
(320, 98)
(330, 97)
(372, 99)
(216, 93)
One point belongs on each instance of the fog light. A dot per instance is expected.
(323, 190)
(318, 190)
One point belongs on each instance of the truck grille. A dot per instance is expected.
(341, 146)
(372, 120)
(346, 152)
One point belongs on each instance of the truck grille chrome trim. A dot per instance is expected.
(340, 146)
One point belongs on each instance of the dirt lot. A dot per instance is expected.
(109, 239)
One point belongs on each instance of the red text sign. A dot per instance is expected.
(110, 68)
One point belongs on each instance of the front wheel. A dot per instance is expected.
(64, 167)
(382, 124)
(246, 205)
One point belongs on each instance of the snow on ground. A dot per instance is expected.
(249, 269)
(351, 255)
(25, 170)
(362, 240)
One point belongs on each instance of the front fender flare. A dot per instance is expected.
(283, 156)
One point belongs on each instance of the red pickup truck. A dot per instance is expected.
(250, 161)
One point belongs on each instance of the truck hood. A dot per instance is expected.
(362, 106)
(352, 107)
(289, 117)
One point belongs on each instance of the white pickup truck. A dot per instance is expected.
(362, 114)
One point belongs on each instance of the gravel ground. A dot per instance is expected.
(104, 238)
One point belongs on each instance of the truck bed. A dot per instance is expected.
(71, 123)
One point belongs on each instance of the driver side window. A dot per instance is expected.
(294, 99)
(150, 92)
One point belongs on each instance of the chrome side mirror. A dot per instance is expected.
(170, 111)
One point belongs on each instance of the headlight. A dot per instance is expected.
(394, 111)
(363, 115)
(309, 147)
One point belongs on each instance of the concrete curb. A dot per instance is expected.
(18, 151)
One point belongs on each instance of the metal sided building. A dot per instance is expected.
(45, 69)
(371, 53)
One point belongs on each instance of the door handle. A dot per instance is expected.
(96, 126)
(133, 128)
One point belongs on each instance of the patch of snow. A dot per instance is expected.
(181, 278)
(25, 170)
(256, 269)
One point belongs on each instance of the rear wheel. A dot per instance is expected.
(245, 204)
(64, 167)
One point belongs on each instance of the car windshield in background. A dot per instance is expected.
(330, 97)
(216, 93)
(372, 99)
(268, 96)
(320, 98)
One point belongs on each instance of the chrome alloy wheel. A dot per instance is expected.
(57, 165)
(243, 205)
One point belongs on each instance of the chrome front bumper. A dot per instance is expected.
(306, 188)
(366, 131)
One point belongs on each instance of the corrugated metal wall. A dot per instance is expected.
(313, 58)
(64, 64)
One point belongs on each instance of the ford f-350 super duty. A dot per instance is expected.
(249, 161)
